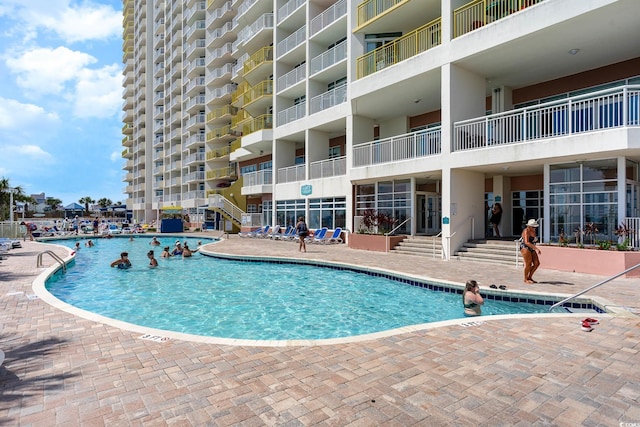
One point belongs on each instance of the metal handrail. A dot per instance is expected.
(54, 256)
(389, 233)
(434, 245)
(400, 225)
(594, 286)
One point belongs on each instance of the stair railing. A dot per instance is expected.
(594, 286)
(393, 231)
(434, 245)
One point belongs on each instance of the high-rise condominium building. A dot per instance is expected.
(429, 111)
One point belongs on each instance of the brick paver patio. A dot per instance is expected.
(61, 369)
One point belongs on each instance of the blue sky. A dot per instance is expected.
(61, 97)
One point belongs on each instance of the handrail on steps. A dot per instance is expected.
(54, 256)
(392, 231)
(594, 286)
(433, 245)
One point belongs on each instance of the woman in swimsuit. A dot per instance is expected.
(530, 251)
(472, 299)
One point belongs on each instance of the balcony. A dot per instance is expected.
(328, 99)
(606, 109)
(259, 123)
(328, 168)
(194, 140)
(218, 153)
(224, 112)
(261, 60)
(290, 79)
(228, 172)
(479, 13)
(262, 177)
(289, 7)
(291, 114)
(291, 174)
(405, 47)
(193, 176)
(258, 97)
(329, 16)
(291, 42)
(370, 9)
(193, 158)
(409, 146)
(329, 58)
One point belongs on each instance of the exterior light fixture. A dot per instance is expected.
(574, 51)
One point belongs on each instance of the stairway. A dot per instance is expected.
(488, 251)
(424, 246)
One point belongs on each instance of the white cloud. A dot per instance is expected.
(70, 20)
(16, 115)
(31, 151)
(45, 71)
(116, 156)
(99, 92)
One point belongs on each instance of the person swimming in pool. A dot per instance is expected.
(154, 241)
(122, 262)
(186, 252)
(165, 253)
(471, 299)
(153, 262)
(177, 250)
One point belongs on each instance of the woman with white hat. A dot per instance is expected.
(530, 251)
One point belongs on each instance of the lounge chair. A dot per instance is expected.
(275, 230)
(283, 235)
(333, 238)
(318, 236)
(255, 233)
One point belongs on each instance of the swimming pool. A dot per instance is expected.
(248, 300)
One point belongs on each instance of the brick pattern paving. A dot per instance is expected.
(65, 370)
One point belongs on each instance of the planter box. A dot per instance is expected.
(373, 242)
(590, 261)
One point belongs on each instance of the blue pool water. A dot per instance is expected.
(248, 300)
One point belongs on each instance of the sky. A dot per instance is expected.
(61, 98)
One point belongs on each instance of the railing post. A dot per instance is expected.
(625, 107)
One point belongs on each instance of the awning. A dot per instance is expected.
(171, 209)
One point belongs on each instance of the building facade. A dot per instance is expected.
(429, 111)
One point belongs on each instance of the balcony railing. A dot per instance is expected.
(221, 112)
(263, 177)
(291, 174)
(292, 41)
(478, 13)
(260, 57)
(369, 9)
(259, 123)
(409, 146)
(292, 113)
(217, 153)
(328, 58)
(326, 18)
(405, 47)
(328, 168)
(264, 88)
(228, 172)
(328, 99)
(288, 9)
(291, 78)
(606, 109)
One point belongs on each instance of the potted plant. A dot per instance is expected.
(372, 234)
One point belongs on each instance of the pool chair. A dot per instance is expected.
(333, 237)
(254, 233)
(284, 235)
(275, 230)
(318, 236)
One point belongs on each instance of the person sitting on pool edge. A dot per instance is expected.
(122, 262)
(471, 299)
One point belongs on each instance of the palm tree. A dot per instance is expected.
(53, 203)
(5, 198)
(86, 201)
(104, 202)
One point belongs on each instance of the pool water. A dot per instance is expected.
(248, 300)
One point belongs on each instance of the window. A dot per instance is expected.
(266, 165)
(288, 211)
(248, 169)
(374, 41)
(329, 212)
(390, 197)
(582, 193)
(334, 152)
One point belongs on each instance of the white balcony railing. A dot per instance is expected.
(328, 99)
(288, 9)
(401, 147)
(328, 58)
(291, 78)
(263, 177)
(605, 109)
(326, 18)
(328, 168)
(292, 113)
(292, 41)
(291, 174)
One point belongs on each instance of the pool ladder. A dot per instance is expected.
(54, 256)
